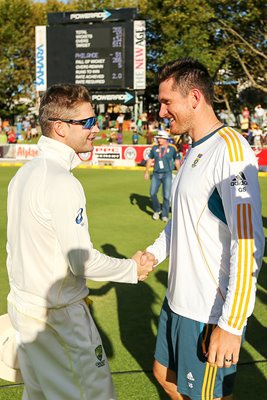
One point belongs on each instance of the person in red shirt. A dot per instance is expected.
(11, 137)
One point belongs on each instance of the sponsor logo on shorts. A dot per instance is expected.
(99, 356)
(190, 376)
(190, 380)
(196, 160)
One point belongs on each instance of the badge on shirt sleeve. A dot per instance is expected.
(240, 182)
(79, 218)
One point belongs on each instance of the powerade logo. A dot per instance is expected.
(123, 97)
(102, 15)
(79, 218)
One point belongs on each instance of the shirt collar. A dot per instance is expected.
(65, 155)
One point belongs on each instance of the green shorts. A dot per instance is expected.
(181, 345)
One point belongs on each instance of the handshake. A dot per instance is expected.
(146, 262)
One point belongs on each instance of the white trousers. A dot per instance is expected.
(61, 355)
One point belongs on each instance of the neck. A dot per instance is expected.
(208, 128)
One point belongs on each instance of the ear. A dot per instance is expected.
(195, 97)
(59, 128)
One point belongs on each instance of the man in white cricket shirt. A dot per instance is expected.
(50, 256)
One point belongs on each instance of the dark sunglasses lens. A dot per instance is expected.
(90, 123)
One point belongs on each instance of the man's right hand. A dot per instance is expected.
(145, 264)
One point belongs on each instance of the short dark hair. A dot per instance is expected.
(61, 101)
(187, 74)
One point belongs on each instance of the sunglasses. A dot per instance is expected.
(87, 123)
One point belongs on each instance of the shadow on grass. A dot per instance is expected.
(136, 318)
(143, 202)
(262, 279)
(264, 222)
(250, 381)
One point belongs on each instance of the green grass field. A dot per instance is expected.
(119, 214)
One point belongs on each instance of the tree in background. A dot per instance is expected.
(18, 19)
(227, 36)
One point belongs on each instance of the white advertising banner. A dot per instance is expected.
(26, 151)
(40, 58)
(104, 154)
(139, 55)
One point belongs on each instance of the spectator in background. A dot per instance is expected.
(244, 125)
(246, 112)
(149, 136)
(259, 115)
(133, 126)
(135, 138)
(223, 116)
(120, 120)
(264, 136)
(144, 121)
(166, 123)
(139, 125)
(100, 121)
(19, 126)
(27, 128)
(3, 137)
(6, 125)
(11, 136)
(33, 128)
(119, 138)
(106, 121)
(165, 158)
(257, 136)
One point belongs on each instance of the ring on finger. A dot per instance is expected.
(228, 360)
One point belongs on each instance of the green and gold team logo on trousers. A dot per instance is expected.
(99, 352)
(99, 355)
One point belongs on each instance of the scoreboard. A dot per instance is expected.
(106, 55)
(90, 55)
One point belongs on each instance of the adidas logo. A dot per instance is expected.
(190, 376)
(239, 180)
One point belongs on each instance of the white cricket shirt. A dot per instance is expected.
(50, 253)
(215, 239)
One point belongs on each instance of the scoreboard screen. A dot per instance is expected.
(104, 50)
(94, 55)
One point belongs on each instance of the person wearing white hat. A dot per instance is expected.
(50, 256)
(165, 158)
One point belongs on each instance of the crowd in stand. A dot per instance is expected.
(252, 123)
(254, 126)
(23, 129)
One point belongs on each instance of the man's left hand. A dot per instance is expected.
(224, 348)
